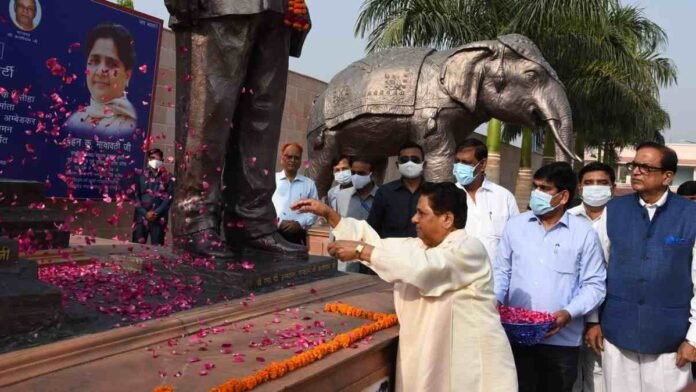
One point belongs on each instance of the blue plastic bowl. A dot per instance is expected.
(526, 334)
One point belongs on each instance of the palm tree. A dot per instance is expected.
(606, 53)
(523, 184)
(493, 142)
(126, 3)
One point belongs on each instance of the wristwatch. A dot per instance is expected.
(358, 250)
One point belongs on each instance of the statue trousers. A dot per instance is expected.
(231, 83)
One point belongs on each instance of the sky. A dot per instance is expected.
(331, 46)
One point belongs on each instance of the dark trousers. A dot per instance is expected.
(546, 368)
(299, 237)
(155, 230)
(230, 98)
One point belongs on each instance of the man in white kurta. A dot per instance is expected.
(450, 337)
(490, 205)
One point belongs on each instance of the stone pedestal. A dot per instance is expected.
(23, 215)
(26, 303)
(273, 273)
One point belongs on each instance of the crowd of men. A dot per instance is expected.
(617, 273)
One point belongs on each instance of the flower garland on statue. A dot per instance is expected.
(275, 370)
(296, 15)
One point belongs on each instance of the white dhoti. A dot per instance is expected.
(626, 371)
(590, 376)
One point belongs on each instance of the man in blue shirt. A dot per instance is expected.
(291, 187)
(154, 191)
(549, 260)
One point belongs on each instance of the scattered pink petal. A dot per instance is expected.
(312, 291)
(194, 360)
(260, 359)
(208, 365)
(203, 373)
(143, 68)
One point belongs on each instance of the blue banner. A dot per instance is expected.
(77, 80)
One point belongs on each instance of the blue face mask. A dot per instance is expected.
(540, 202)
(464, 173)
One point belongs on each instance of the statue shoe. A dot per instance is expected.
(203, 243)
(275, 243)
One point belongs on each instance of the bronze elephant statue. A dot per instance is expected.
(436, 99)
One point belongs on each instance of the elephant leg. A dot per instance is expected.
(439, 157)
(320, 158)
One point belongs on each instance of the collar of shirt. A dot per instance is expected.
(563, 221)
(400, 184)
(373, 192)
(659, 203)
(281, 176)
(580, 210)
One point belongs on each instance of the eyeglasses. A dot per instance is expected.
(642, 168)
(410, 158)
(292, 157)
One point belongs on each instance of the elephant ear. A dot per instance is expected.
(527, 49)
(464, 70)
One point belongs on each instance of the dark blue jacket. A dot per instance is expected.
(153, 192)
(649, 286)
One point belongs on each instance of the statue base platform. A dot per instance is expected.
(272, 270)
(176, 349)
(27, 304)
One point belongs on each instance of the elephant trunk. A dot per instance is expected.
(555, 111)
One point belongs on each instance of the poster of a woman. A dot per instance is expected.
(110, 62)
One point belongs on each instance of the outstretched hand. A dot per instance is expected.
(313, 206)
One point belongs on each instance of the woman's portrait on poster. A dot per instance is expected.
(110, 61)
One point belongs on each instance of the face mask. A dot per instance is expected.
(155, 163)
(342, 177)
(411, 169)
(596, 195)
(464, 173)
(360, 182)
(540, 202)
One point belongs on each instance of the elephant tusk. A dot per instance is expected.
(559, 141)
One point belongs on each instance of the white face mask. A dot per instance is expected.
(596, 195)
(155, 163)
(343, 177)
(411, 169)
(360, 182)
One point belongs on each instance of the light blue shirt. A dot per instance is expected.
(562, 268)
(288, 192)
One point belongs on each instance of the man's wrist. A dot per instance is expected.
(358, 250)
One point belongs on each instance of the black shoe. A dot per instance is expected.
(275, 243)
(203, 243)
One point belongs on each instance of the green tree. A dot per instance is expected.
(126, 3)
(607, 54)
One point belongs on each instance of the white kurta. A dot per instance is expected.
(450, 335)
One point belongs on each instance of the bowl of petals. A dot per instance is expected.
(523, 326)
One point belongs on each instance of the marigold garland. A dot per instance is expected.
(275, 370)
(296, 15)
